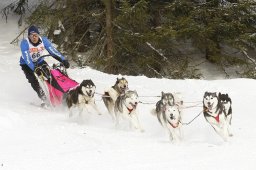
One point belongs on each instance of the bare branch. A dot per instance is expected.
(16, 38)
(158, 52)
(251, 59)
(155, 71)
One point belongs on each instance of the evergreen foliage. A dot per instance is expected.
(19, 7)
(156, 38)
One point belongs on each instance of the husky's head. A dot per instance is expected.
(88, 88)
(210, 100)
(121, 85)
(226, 102)
(224, 98)
(167, 99)
(172, 115)
(131, 98)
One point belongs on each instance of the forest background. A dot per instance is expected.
(156, 38)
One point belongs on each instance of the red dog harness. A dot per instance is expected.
(130, 110)
(217, 117)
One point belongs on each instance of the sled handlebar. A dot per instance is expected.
(54, 66)
(42, 68)
(43, 56)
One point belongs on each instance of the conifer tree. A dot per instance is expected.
(150, 37)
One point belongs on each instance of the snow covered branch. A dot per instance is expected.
(158, 52)
(251, 59)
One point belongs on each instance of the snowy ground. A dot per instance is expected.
(34, 138)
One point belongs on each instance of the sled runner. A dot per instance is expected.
(55, 81)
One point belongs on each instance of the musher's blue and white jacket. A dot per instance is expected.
(31, 53)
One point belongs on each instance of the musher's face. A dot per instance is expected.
(34, 37)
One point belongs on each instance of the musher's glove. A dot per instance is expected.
(37, 71)
(66, 63)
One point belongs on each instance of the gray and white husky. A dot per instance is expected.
(171, 119)
(126, 107)
(111, 94)
(166, 99)
(218, 113)
(169, 115)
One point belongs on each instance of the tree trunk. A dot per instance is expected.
(109, 5)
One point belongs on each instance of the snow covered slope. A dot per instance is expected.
(34, 138)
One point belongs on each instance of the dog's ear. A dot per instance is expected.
(206, 93)
(117, 80)
(162, 93)
(92, 83)
(83, 82)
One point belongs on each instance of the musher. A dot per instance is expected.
(32, 48)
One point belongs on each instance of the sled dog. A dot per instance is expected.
(218, 113)
(166, 99)
(227, 104)
(170, 118)
(126, 107)
(111, 94)
(82, 96)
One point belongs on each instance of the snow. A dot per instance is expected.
(35, 138)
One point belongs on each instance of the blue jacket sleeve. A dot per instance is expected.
(53, 51)
(26, 55)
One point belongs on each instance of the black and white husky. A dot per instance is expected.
(126, 107)
(111, 94)
(218, 113)
(81, 97)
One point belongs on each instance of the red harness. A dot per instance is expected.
(130, 110)
(217, 118)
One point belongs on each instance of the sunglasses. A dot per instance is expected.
(33, 35)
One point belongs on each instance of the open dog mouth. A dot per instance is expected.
(123, 89)
(90, 94)
(210, 106)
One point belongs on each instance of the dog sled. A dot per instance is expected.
(55, 81)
